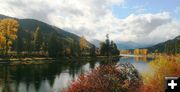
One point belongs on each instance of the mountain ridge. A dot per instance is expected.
(161, 47)
(67, 39)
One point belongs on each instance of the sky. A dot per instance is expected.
(139, 21)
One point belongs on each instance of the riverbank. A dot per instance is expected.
(26, 61)
(45, 60)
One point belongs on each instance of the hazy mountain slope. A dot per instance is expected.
(162, 46)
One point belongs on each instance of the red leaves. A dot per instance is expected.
(106, 78)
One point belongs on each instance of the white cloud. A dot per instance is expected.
(94, 19)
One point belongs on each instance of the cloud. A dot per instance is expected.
(94, 19)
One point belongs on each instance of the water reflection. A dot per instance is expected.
(49, 77)
(139, 62)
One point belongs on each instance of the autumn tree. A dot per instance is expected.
(2, 44)
(8, 30)
(37, 39)
(144, 51)
(136, 51)
(83, 45)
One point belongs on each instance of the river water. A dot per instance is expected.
(56, 76)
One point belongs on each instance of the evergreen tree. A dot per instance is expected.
(44, 47)
(92, 51)
(19, 41)
(38, 39)
(167, 49)
(108, 48)
(55, 46)
(102, 48)
(28, 44)
(107, 45)
(177, 45)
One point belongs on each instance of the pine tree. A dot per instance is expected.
(19, 41)
(38, 39)
(107, 45)
(177, 45)
(54, 46)
(28, 44)
(102, 48)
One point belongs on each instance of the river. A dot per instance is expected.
(56, 76)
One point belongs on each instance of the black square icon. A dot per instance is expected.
(172, 84)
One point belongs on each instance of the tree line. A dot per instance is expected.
(172, 47)
(17, 42)
(13, 39)
(108, 47)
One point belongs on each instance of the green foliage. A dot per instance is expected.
(54, 47)
(177, 45)
(37, 39)
(107, 48)
(28, 43)
(19, 42)
(33, 38)
(168, 47)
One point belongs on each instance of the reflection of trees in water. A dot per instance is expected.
(144, 58)
(36, 74)
(29, 74)
(75, 67)
(109, 60)
(4, 72)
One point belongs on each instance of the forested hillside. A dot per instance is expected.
(169, 47)
(34, 36)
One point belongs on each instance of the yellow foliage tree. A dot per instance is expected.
(136, 51)
(163, 66)
(8, 30)
(83, 43)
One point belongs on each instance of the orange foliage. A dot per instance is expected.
(163, 66)
(141, 51)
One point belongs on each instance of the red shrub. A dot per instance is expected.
(106, 78)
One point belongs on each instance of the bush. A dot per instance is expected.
(108, 78)
(163, 66)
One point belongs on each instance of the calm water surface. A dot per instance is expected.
(55, 76)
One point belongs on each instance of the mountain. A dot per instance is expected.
(32, 24)
(29, 26)
(123, 44)
(96, 42)
(130, 45)
(167, 46)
